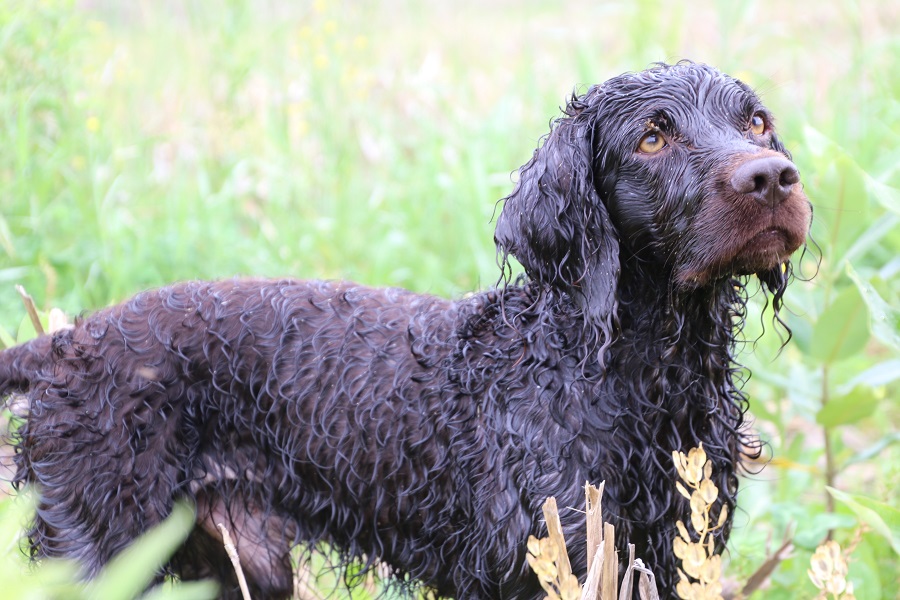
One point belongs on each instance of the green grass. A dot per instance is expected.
(147, 142)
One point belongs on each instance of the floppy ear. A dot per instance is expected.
(556, 224)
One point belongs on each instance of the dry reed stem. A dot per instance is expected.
(625, 591)
(554, 529)
(31, 309)
(593, 496)
(231, 550)
(549, 560)
(609, 579)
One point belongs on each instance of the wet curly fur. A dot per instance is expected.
(426, 433)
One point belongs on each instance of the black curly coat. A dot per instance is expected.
(426, 433)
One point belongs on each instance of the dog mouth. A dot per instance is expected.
(765, 250)
(762, 251)
(770, 238)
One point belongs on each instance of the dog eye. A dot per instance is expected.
(652, 142)
(757, 124)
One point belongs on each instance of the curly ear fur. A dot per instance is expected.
(555, 223)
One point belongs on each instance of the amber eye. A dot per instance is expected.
(757, 124)
(652, 142)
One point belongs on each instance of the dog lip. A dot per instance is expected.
(769, 232)
(767, 240)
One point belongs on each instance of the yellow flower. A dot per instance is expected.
(694, 558)
(711, 570)
(699, 521)
(93, 124)
(828, 568)
(569, 588)
(708, 491)
(690, 467)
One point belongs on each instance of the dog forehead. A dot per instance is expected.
(683, 89)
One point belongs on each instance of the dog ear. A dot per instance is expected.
(556, 224)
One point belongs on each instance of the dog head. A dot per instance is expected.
(677, 167)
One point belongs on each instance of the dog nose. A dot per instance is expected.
(768, 179)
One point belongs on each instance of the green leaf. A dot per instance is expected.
(849, 408)
(133, 569)
(816, 526)
(194, 590)
(874, 450)
(871, 237)
(842, 329)
(883, 519)
(887, 196)
(7, 340)
(885, 321)
(842, 203)
(866, 572)
(882, 373)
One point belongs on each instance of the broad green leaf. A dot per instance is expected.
(801, 332)
(885, 321)
(816, 526)
(866, 573)
(882, 518)
(7, 340)
(882, 373)
(842, 204)
(871, 237)
(133, 569)
(26, 330)
(842, 329)
(849, 408)
(886, 195)
(874, 450)
(193, 590)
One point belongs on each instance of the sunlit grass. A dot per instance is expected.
(147, 142)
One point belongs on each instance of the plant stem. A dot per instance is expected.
(830, 469)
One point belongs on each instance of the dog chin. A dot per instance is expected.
(763, 251)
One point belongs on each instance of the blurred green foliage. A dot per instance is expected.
(126, 576)
(147, 142)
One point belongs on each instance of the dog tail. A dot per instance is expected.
(20, 366)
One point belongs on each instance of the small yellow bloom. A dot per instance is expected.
(708, 491)
(711, 570)
(680, 548)
(93, 124)
(694, 558)
(696, 460)
(828, 568)
(699, 521)
(569, 588)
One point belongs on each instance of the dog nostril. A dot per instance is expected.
(789, 176)
(760, 183)
(769, 179)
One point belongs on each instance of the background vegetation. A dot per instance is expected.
(150, 141)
